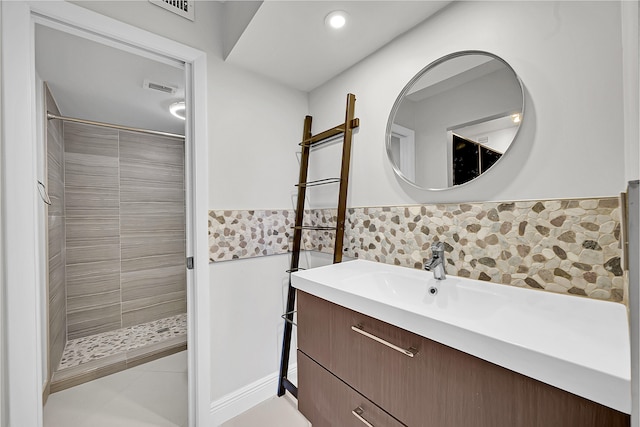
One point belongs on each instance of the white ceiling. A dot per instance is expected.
(289, 42)
(90, 80)
(285, 40)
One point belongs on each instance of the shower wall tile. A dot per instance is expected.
(57, 309)
(56, 277)
(93, 278)
(158, 299)
(140, 173)
(55, 146)
(55, 244)
(57, 330)
(165, 260)
(145, 285)
(125, 228)
(152, 227)
(55, 185)
(90, 140)
(155, 311)
(92, 254)
(93, 300)
(92, 228)
(153, 281)
(152, 149)
(153, 207)
(56, 232)
(157, 225)
(147, 246)
(85, 202)
(94, 320)
(131, 193)
(90, 171)
(162, 305)
(88, 230)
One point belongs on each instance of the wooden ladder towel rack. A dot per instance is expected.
(313, 141)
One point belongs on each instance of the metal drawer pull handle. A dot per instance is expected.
(411, 352)
(358, 414)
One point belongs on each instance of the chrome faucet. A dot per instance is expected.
(436, 263)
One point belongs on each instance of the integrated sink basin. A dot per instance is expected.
(577, 344)
(402, 287)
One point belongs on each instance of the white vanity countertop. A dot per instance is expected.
(577, 344)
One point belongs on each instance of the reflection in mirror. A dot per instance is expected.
(454, 120)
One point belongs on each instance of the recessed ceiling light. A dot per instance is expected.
(336, 19)
(516, 118)
(178, 110)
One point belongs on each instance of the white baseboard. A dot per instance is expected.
(237, 402)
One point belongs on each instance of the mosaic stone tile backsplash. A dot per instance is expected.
(247, 234)
(566, 246)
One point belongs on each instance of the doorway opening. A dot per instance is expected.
(115, 211)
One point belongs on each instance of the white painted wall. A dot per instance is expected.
(246, 328)
(630, 16)
(571, 143)
(254, 128)
(3, 394)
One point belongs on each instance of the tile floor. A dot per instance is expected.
(150, 395)
(275, 412)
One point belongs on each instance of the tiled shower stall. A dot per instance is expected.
(116, 232)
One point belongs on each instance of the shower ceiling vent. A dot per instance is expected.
(183, 8)
(148, 84)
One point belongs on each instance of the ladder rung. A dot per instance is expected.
(313, 227)
(288, 314)
(323, 181)
(315, 139)
(323, 136)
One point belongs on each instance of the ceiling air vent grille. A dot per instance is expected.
(183, 8)
(147, 84)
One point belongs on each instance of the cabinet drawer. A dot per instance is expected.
(328, 402)
(378, 371)
(438, 386)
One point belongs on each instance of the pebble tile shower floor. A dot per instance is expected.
(93, 347)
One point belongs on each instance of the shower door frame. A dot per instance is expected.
(22, 261)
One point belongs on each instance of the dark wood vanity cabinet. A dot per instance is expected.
(328, 401)
(437, 387)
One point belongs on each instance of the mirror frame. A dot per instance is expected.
(408, 87)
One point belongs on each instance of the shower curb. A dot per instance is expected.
(76, 375)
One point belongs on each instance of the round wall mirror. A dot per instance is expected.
(454, 120)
